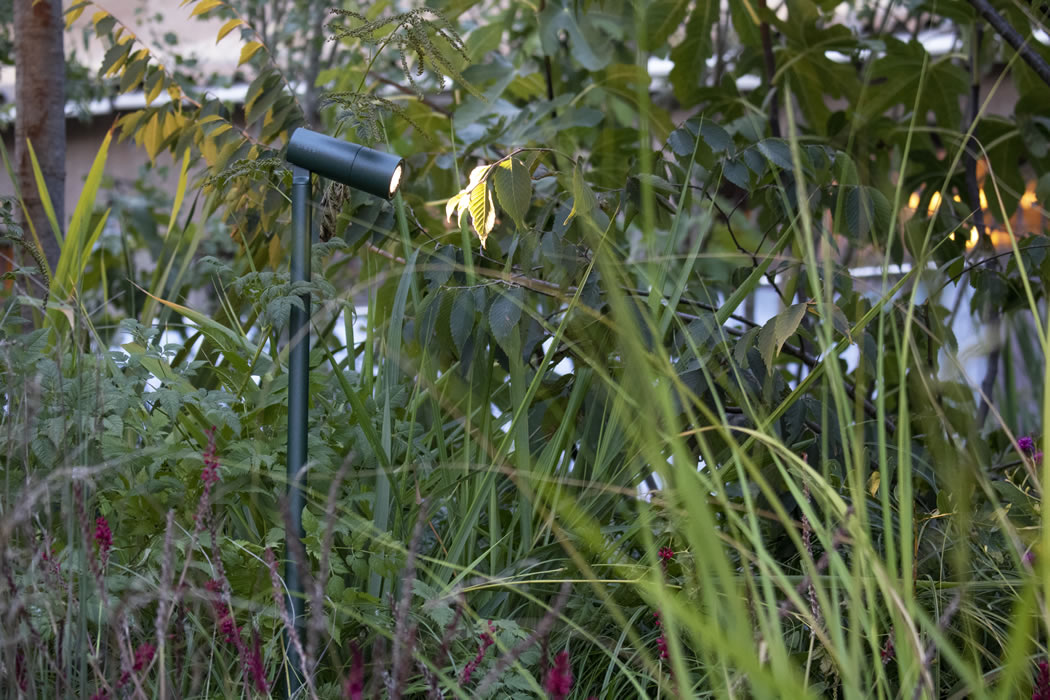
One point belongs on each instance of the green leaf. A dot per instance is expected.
(440, 266)
(746, 342)
(716, 138)
(866, 210)
(583, 199)
(504, 314)
(690, 54)
(662, 17)
(682, 141)
(114, 58)
(737, 173)
(777, 330)
(461, 320)
(592, 50)
(777, 152)
(513, 189)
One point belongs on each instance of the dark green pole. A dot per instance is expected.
(298, 413)
(366, 170)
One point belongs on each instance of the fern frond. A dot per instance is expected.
(414, 33)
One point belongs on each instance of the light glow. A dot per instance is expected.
(395, 180)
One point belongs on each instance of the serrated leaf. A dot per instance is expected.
(513, 189)
(777, 152)
(682, 142)
(114, 59)
(736, 172)
(482, 211)
(716, 138)
(154, 84)
(866, 210)
(583, 199)
(504, 314)
(777, 330)
(460, 202)
(461, 320)
(135, 70)
(248, 50)
(227, 28)
(205, 5)
(745, 343)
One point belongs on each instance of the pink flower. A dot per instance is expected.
(661, 641)
(1025, 443)
(355, 682)
(253, 667)
(559, 678)
(143, 655)
(103, 538)
(209, 477)
(888, 651)
(227, 627)
(661, 644)
(1042, 683)
(210, 473)
(485, 641)
(666, 555)
(230, 631)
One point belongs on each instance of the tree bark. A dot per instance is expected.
(40, 103)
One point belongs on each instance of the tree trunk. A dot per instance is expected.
(40, 103)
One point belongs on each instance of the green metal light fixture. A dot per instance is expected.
(362, 169)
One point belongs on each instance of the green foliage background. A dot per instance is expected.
(856, 529)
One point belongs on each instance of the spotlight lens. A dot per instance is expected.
(395, 180)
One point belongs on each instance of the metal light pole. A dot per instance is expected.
(363, 169)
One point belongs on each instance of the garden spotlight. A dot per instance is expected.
(351, 164)
(360, 168)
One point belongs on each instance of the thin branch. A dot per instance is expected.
(1013, 38)
(770, 68)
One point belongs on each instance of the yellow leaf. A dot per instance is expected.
(73, 14)
(205, 5)
(275, 252)
(461, 201)
(152, 136)
(248, 50)
(454, 202)
(154, 91)
(210, 151)
(482, 211)
(873, 483)
(227, 28)
(98, 16)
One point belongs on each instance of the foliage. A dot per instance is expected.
(816, 502)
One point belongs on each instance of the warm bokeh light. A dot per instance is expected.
(1028, 218)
